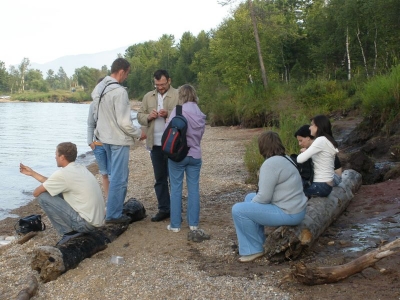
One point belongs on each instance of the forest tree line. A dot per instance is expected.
(268, 55)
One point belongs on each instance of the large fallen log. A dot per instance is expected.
(51, 262)
(322, 275)
(288, 242)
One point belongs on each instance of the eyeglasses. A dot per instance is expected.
(161, 84)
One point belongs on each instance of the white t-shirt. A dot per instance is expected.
(80, 190)
(159, 122)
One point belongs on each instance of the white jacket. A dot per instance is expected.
(323, 155)
(114, 124)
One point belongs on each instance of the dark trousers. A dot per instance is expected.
(161, 186)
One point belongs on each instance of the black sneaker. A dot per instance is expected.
(160, 216)
(121, 219)
(68, 236)
(197, 235)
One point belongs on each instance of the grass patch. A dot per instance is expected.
(52, 96)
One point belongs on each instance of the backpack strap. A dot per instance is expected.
(101, 95)
(179, 110)
(291, 161)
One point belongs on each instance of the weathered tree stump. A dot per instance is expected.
(288, 242)
(322, 275)
(51, 262)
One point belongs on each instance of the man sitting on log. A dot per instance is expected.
(71, 197)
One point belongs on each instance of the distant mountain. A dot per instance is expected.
(72, 62)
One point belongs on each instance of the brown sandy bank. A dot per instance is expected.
(163, 265)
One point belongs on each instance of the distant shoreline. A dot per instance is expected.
(135, 104)
(9, 100)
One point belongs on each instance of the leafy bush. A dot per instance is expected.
(253, 160)
(322, 96)
(381, 97)
(52, 96)
(288, 125)
(221, 112)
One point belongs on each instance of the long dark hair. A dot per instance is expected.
(324, 128)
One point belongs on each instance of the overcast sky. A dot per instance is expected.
(44, 30)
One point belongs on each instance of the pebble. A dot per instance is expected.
(5, 240)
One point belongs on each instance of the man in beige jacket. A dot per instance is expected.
(156, 108)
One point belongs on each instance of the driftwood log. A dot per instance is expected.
(27, 237)
(30, 291)
(288, 242)
(51, 262)
(322, 275)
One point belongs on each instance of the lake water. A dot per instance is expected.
(29, 133)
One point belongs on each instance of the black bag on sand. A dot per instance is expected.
(30, 223)
(134, 209)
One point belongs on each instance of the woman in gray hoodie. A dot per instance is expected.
(280, 199)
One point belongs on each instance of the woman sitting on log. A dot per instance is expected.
(305, 139)
(280, 199)
(322, 151)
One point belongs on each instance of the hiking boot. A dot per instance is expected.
(121, 219)
(197, 235)
(68, 236)
(160, 216)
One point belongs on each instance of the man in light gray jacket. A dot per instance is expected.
(115, 130)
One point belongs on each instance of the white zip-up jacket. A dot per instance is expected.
(113, 125)
(323, 154)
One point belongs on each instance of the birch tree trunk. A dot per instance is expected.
(348, 55)
(22, 69)
(362, 51)
(376, 51)
(257, 38)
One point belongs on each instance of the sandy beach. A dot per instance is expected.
(160, 264)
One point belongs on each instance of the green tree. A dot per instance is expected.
(143, 64)
(14, 79)
(34, 81)
(51, 79)
(3, 77)
(62, 79)
(166, 51)
(185, 54)
(87, 77)
(23, 68)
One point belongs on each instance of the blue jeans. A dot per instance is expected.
(318, 189)
(118, 158)
(101, 158)
(161, 186)
(191, 166)
(62, 216)
(250, 218)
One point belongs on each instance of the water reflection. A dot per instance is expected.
(29, 133)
